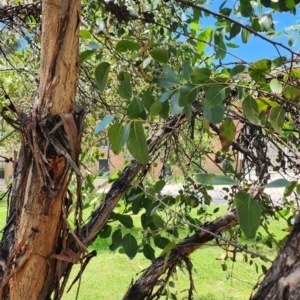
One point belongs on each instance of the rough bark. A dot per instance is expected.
(282, 281)
(41, 171)
(143, 287)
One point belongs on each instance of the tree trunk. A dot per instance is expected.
(41, 174)
(282, 281)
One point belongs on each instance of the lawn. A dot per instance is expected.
(109, 274)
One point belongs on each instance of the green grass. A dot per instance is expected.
(109, 274)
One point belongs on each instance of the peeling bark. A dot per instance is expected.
(282, 281)
(143, 287)
(41, 175)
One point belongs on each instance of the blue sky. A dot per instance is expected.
(256, 48)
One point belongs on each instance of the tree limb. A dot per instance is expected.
(144, 285)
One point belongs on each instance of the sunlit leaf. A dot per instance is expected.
(291, 93)
(85, 34)
(277, 118)
(246, 34)
(276, 86)
(260, 69)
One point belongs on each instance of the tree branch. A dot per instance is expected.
(144, 285)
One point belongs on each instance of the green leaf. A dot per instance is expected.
(125, 220)
(155, 108)
(203, 38)
(117, 136)
(278, 183)
(149, 252)
(220, 50)
(161, 242)
(266, 22)
(250, 109)
(289, 189)
(246, 8)
(116, 240)
(214, 114)
(187, 70)
(296, 73)
(85, 55)
(164, 113)
(105, 232)
(277, 118)
(237, 70)
(165, 96)
(147, 99)
(214, 96)
(187, 109)
(246, 34)
(188, 94)
(175, 108)
(158, 221)
(168, 248)
(264, 103)
(137, 144)
(168, 82)
(160, 55)
(278, 62)
(103, 123)
(159, 185)
(231, 45)
(248, 212)
(126, 45)
(85, 34)
(136, 109)
(234, 31)
(125, 89)
(212, 179)
(260, 69)
(130, 245)
(101, 75)
(200, 75)
(291, 93)
(276, 86)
